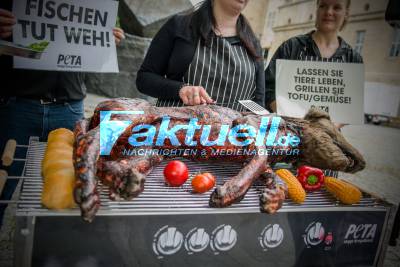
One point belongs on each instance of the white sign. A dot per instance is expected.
(337, 88)
(78, 32)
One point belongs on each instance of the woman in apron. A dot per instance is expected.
(322, 44)
(210, 55)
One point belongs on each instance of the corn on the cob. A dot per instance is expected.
(295, 190)
(345, 192)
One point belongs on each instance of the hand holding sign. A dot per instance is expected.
(7, 20)
(78, 31)
(119, 35)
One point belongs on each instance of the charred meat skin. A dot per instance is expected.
(126, 177)
(235, 189)
(273, 195)
(321, 145)
(86, 154)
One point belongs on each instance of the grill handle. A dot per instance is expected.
(8, 154)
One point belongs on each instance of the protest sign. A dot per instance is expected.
(337, 88)
(75, 35)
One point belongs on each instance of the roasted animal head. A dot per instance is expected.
(324, 146)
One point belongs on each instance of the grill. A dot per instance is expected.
(159, 198)
(160, 212)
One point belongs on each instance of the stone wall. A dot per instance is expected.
(140, 20)
(145, 18)
(131, 52)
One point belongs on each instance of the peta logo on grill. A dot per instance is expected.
(360, 233)
(69, 61)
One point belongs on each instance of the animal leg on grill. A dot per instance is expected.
(126, 177)
(273, 195)
(128, 174)
(234, 189)
(86, 154)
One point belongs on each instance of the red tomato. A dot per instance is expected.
(203, 182)
(176, 173)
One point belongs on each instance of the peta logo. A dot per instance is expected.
(361, 233)
(69, 61)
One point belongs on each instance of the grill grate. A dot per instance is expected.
(158, 198)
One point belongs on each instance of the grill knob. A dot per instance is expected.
(225, 238)
(197, 240)
(169, 241)
(273, 236)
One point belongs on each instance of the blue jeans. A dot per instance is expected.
(21, 118)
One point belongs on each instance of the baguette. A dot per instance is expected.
(58, 171)
(61, 135)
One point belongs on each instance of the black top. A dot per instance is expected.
(303, 47)
(37, 84)
(168, 59)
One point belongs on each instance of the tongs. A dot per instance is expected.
(254, 107)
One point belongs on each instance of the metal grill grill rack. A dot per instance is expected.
(140, 227)
(157, 198)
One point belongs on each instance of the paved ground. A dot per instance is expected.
(381, 149)
(379, 145)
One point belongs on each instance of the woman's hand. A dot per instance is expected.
(7, 20)
(194, 95)
(119, 35)
(272, 106)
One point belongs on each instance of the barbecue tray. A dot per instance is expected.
(173, 227)
(11, 49)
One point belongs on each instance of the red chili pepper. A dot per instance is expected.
(310, 178)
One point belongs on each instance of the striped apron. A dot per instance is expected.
(224, 70)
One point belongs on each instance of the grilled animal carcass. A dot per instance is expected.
(321, 145)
